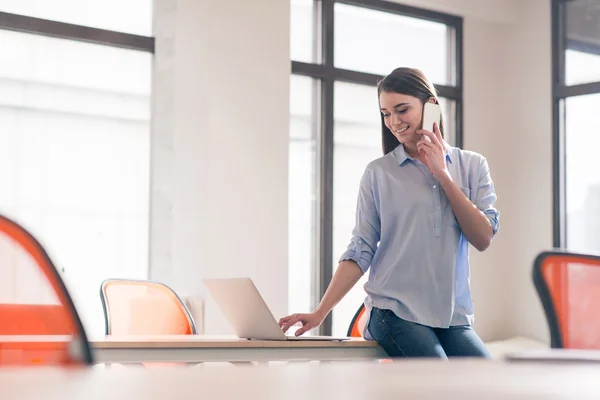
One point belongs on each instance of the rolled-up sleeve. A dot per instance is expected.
(486, 196)
(367, 229)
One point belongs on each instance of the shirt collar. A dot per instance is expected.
(401, 155)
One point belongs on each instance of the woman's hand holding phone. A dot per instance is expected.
(432, 147)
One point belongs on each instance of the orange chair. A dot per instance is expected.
(39, 324)
(356, 325)
(136, 307)
(568, 285)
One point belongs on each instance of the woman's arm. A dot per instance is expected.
(345, 277)
(475, 225)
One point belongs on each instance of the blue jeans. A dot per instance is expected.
(400, 338)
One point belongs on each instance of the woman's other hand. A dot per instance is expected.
(308, 321)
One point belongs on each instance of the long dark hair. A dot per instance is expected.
(411, 82)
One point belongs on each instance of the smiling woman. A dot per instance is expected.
(419, 206)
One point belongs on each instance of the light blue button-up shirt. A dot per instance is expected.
(407, 233)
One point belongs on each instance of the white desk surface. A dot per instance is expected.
(189, 341)
(200, 348)
(195, 341)
(408, 379)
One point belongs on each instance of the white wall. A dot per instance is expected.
(220, 149)
(485, 104)
(508, 118)
(530, 142)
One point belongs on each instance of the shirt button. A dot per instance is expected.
(434, 186)
(438, 207)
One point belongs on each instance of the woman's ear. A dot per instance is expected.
(432, 100)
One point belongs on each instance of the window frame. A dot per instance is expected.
(63, 30)
(324, 72)
(560, 92)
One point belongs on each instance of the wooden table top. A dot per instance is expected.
(191, 341)
(409, 379)
(200, 341)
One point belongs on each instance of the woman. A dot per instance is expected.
(419, 206)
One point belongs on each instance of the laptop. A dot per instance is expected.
(246, 311)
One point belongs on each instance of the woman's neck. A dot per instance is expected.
(411, 150)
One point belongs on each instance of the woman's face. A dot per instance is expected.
(402, 114)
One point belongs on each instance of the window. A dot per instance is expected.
(302, 201)
(335, 69)
(75, 146)
(581, 67)
(356, 142)
(131, 16)
(302, 14)
(581, 41)
(370, 48)
(582, 141)
(576, 92)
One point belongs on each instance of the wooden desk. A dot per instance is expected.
(199, 348)
(454, 380)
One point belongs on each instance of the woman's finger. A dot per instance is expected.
(291, 322)
(424, 142)
(430, 135)
(428, 150)
(305, 328)
(283, 320)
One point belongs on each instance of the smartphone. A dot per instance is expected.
(431, 113)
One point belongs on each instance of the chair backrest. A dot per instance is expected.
(358, 322)
(39, 324)
(34, 319)
(137, 307)
(568, 285)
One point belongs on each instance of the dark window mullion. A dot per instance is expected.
(62, 30)
(458, 125)
(325, 239)
(582, 89)
(559, 218)
(455, 57)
